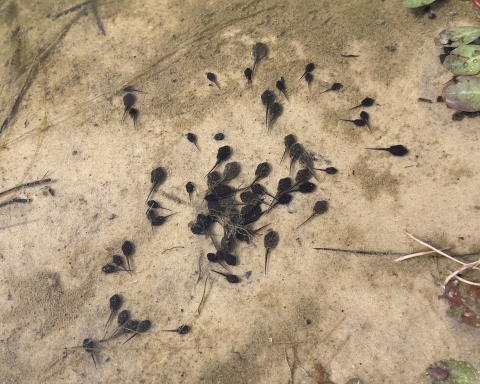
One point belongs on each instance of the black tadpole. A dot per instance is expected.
(259, 51)
(213, 78)
(232, 279)
(182, 330)
(157, 177)
(282, 87)
(231, 171)
(268, 98)
(89, 346)
(309, 68)
(115, 303)
(127, 249)
(357, 122)
(157, 221)
(133, 112)
(366, 118)
(190, 188)
(118, 261)
(309, 79)
(222, 155)
(275, 112)
(144, 326)
(329, 170)
(319, 208)
(193, 139)
(109, 268)
(296, 151)
(130, 88)
(262, 171)
(270, 241)
(288, 141)
(128, 100)
(248, 74)
(334, 87)
(395, 150)
(367, 102)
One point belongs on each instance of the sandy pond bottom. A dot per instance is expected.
(359, 315)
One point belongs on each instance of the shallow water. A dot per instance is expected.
(358, 315)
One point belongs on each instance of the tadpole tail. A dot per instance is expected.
(131, 337)
(305, 221)
(125, 112)
(108, 321)
(284, 153)
(379, 149)
(94, 363)
(302, 76)
(215, 166)
(266, 259)
(266, 117)
(355, 107)
(154, 185)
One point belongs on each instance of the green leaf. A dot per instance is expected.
(465, 60)
(464, 94)
(461, 372)
(459, 35)
(416, 3)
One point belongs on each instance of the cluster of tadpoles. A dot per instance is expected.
(237, 217)
(127, 250)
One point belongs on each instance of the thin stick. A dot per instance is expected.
(30, 184)
(435, 249)
(203, 296)
(419, 254)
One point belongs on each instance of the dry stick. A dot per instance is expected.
(419, 254)
(465, 266)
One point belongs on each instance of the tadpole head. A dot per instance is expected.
(158, 176)
(367, 102)
(309, 67)
(109, 268)
(331, 170)
(223, 153)
(144, 326)
(271, 240)
(263, 170)
(212, 77)
(115, 302)
(303, 175)
(398, 150)
(259, 51)
(127, 248)
(122, 317)
(320, 207)
(129, 100)
(268, 97)
(306, 187)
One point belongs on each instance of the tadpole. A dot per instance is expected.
(357, 122)
(219, 136)
(334, 87)
(395, 150)
(231, 171)
(89, 346)
(281, 86)
(133, 112)
(222, 155)
(268, 98)
(128, 100)
(319, 208)
(259, 51)
(270, 241)
(366, 118)
(232, 279)
(127, 249)
(309, 79)
(115, 303)
(144, 326)
(109, 268)
(262, 171)
(288, 141)
(367, 102)
(193, 139)
(329, 170)
(160, 220)
(248, 74)
(296, 151)
(275, 112)
(190, 188)
(130, 88)
(213, 78)
(309, 68)
(182, 330)
(157, 177)
(118, 261)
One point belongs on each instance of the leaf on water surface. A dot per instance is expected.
(459, 372)
(464, 94)
(464, 300)
(459, 35)
(464, 60)
(416, 3)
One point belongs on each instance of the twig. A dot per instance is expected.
(418, 254)
(465, 266)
